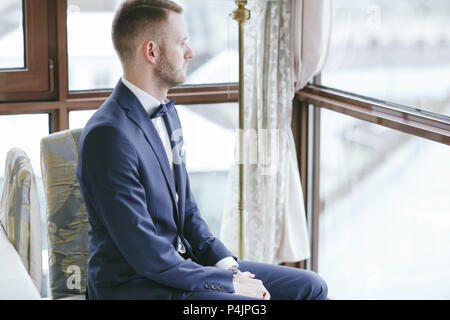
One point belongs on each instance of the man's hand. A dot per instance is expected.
(245, 284)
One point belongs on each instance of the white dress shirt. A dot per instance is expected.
(150, 104)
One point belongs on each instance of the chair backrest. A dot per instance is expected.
(67, 220)
(20, 212)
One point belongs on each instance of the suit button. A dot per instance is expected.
(219, 287)
(207, 286)
(213, 287)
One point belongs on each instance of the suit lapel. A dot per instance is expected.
(136, 112)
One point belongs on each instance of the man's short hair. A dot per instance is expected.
(135, 17)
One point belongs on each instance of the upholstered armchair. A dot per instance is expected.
(67, 220)
(20, 213)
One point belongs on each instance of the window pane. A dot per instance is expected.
(11, 35)
(93, 63)
(25, 132)
(213, 36)
(78, 119)
(209, 137)
(397, 51)
(384, 224)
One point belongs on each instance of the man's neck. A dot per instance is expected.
(152, 88)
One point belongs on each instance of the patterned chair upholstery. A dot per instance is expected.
(20, 213)
(67, 220)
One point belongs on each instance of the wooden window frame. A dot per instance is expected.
(37, 80)
(395, 116)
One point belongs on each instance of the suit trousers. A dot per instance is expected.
(283, 283)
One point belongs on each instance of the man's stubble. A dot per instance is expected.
(167, 72)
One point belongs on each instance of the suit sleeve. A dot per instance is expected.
(208, 248)
(111, 181)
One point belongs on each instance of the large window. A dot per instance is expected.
(397, 51)
(93, 63)
(375, 129)
(384, 228)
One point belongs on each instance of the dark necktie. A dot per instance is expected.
(163, 109)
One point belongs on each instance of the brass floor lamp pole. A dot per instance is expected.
(241, 15)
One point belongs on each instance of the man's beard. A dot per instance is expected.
(168, 74)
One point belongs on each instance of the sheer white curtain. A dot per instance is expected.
(274, 216)
(311, 30)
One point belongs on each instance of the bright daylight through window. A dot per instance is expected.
(93, 63)
(11, 35)
(384, 206)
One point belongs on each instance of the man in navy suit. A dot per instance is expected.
(147, 239)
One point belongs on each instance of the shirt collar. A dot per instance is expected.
(149, 103)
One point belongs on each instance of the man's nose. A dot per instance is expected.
(189, 53)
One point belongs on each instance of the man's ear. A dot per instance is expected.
(151, 51)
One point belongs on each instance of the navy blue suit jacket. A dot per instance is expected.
(135, 220)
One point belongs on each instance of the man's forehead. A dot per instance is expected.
(176, 26)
